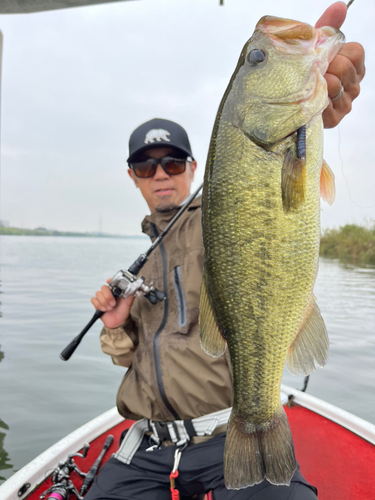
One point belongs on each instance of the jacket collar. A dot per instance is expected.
(161, 219)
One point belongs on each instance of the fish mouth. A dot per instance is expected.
(295, 37)
(285, 28)
(329, 41)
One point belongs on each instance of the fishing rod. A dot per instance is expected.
(125, 283)
(94, 469)
(221, 2)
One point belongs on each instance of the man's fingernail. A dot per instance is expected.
(112, 303)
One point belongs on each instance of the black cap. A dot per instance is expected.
(158, 133)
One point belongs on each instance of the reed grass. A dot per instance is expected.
(350, 243)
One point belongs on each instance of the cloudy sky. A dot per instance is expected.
(76, 82)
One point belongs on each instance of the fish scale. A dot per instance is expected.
(261, 231)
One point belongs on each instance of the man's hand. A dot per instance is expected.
(116, 312)
(346, 70)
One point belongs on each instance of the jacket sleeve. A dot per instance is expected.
(120, 343)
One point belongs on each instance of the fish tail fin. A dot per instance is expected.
(253, 453)
(310, 344)
(212, 341)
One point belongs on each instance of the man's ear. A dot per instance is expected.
(193, 166)
(133, 176)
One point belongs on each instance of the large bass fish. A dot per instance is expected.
(261, 230)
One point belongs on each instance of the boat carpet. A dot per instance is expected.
(338, 462)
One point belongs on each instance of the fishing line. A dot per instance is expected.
(342, 161)
(343, 174)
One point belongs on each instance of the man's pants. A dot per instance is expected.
(200, 470)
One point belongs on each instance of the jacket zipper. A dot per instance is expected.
(159, 373)
(182, 316)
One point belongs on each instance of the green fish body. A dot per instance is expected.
(261, 232)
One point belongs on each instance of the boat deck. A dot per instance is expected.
(338, 462)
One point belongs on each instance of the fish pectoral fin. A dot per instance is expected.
(293, 181)
(327, 184)
(212, 341)
(253, 452)
(311, 343)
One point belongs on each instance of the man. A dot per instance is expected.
(170, 379)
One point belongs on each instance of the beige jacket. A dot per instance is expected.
(169, 376)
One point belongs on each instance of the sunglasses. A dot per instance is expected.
(147, 168)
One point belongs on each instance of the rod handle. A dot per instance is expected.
(94, 469)
(69, 349)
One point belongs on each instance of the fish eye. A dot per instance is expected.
(256, 56)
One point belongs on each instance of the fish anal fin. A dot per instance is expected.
(327, 184)
(253, 453)
(212, 341)
(310, 344)
(293, 180)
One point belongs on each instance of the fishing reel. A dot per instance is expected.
(62, 486)
(124, 284)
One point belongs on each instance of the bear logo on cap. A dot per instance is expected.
(157, 134)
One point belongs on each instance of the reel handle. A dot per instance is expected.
(155, 296)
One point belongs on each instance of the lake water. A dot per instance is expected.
(46, 286)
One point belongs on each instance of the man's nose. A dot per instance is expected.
(160, 173)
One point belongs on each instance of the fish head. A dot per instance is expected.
(278, 85)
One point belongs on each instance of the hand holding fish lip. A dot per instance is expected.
(346, 70)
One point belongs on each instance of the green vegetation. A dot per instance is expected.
(350, 243)
(41, 231)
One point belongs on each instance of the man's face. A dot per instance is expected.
(162, 191)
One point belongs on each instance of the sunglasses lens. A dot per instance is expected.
(174, 166)
(144, 169)
(147, 168)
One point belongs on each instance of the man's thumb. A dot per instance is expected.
(334, 16)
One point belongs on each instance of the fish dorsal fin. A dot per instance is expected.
(212, 341)
(311, 343)
(327, 184)
(293, 180)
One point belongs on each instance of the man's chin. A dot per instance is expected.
(166, 206)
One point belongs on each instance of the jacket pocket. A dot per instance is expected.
(180, 294)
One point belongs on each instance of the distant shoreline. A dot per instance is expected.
(16, 231)
(350, 243)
